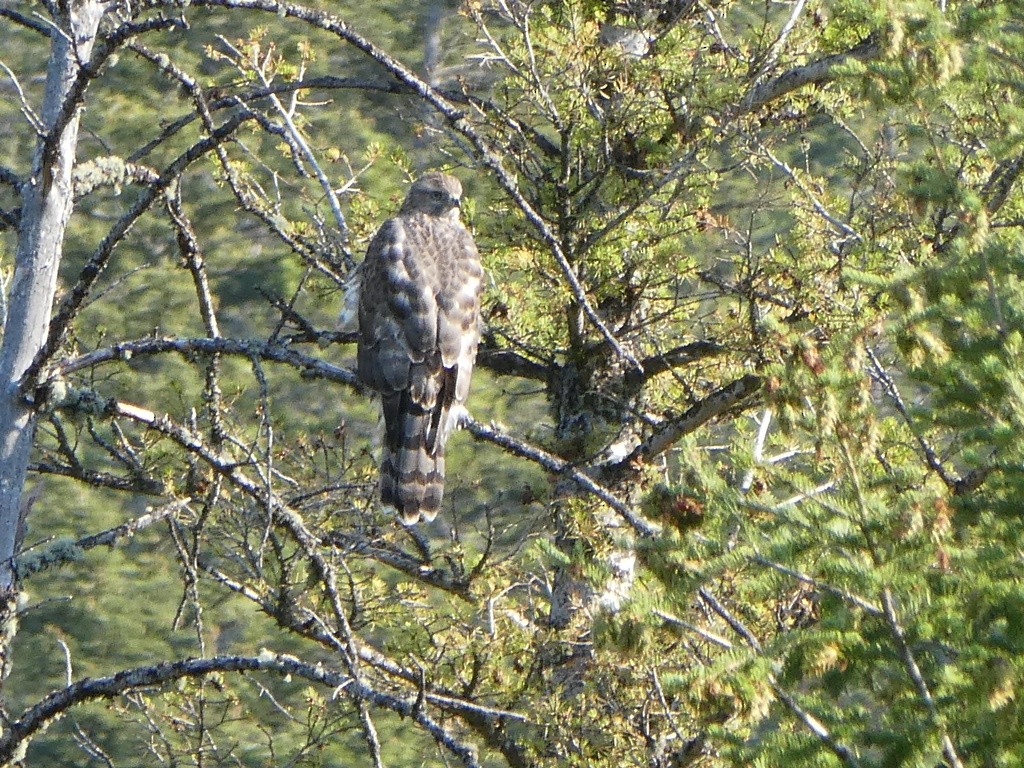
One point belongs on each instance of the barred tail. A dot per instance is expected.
(411, 475)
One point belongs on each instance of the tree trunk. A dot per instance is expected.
(46, 198)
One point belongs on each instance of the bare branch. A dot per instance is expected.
(133, 483)
(323, 82)
(309, 366)
(128, 529)
(26, 109)
(290, 519)
(711, 637)
(864, 605)
(504, 361)
(252, 349)
(931, 457)
(848, 232)
(997, 188)
(820, 71)
(456, 118)
(914, 672)
(29, 23)
(675, 358)
(559, 467)
(299, 141)
(775, 50)
(718, 403)
(61, 553)
(737, 626)
(303, 623)
(90, 689)
(87, 71)
(400, 561)
(73, 301)
(813, 724)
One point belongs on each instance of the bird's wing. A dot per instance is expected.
(397, 311)
(458, 317)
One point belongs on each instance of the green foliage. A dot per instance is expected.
(835, 579)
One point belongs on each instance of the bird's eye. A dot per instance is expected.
(437, 194)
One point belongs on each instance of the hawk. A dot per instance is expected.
(419, 310)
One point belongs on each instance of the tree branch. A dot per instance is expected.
(400, 561)
(311, 545)
(62, 552)
(813, 724)
(325, 82)
(310, 367)
(90, 689)
(506, 362)
(307, 625)
(143, 485)
(914, 672)
(820, 71)
(456, 118)
(868, 607)
(72, 303)
(719, 402)
(879, 374)
(673, 358)
(558, 466)
(10, 178)
(29, 23)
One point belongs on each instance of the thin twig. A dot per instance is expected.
(930, 456)
(559, 467)
(845, 229)
(711, 637)
(299, 141)
(55, 704)
(775, 50)
(812, 723)
(456, 118)
(866, 606)
(914, 672)
(63, 552)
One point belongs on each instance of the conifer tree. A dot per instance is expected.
(741, 482)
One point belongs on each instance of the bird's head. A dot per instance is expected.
(435, 194)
